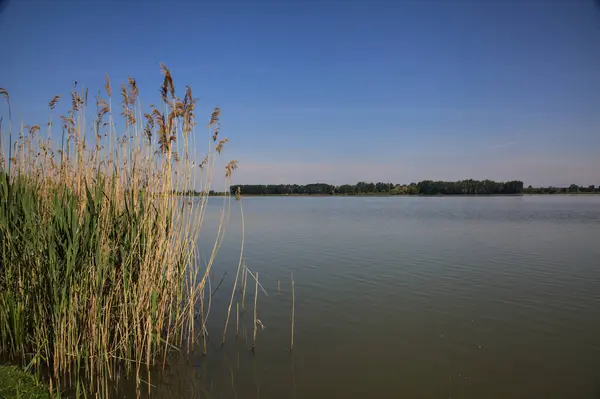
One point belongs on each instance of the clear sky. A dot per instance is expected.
(341, 91)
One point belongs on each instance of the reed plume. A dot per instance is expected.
(107, 86)
(52, 103)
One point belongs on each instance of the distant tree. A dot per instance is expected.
(573, 188)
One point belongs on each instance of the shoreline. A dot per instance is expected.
(416, 195)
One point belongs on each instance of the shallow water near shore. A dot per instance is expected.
(461, 297)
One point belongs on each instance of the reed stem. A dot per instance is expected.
(255, 313)
(245, 281)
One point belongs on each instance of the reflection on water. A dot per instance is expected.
(494, 297)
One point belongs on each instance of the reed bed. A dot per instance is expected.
(99, 268)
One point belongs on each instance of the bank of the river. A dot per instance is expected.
(418, 195)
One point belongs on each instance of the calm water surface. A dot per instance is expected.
(466, 297)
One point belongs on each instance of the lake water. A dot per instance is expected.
(453, 297)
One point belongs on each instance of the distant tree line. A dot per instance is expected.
(285, 189)
(572, 189)
(425, 187)
(428, 187)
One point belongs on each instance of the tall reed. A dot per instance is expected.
(99, 267)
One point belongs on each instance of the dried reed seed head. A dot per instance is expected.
(52, 103)
(133, 87)
(215, 134)
(188, 95)
(187, 111)
(149, 123)
(129, 116)
(163, 93)
(204, 161)
(178, 107)
(214, 119)
(215, 116)
(167, 86)
(230, 167)
(221, 143)
(33, 129)
(155, 112)
(68, 121)
(164, 140)
(149, 126)
(124, 95)
(107, 85)
(159, 119)
(76, 100)
(171, 120)
(103, 108)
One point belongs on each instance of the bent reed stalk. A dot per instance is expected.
(293, 313)
(99, 266)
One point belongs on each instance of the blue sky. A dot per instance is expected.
(341, 91)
